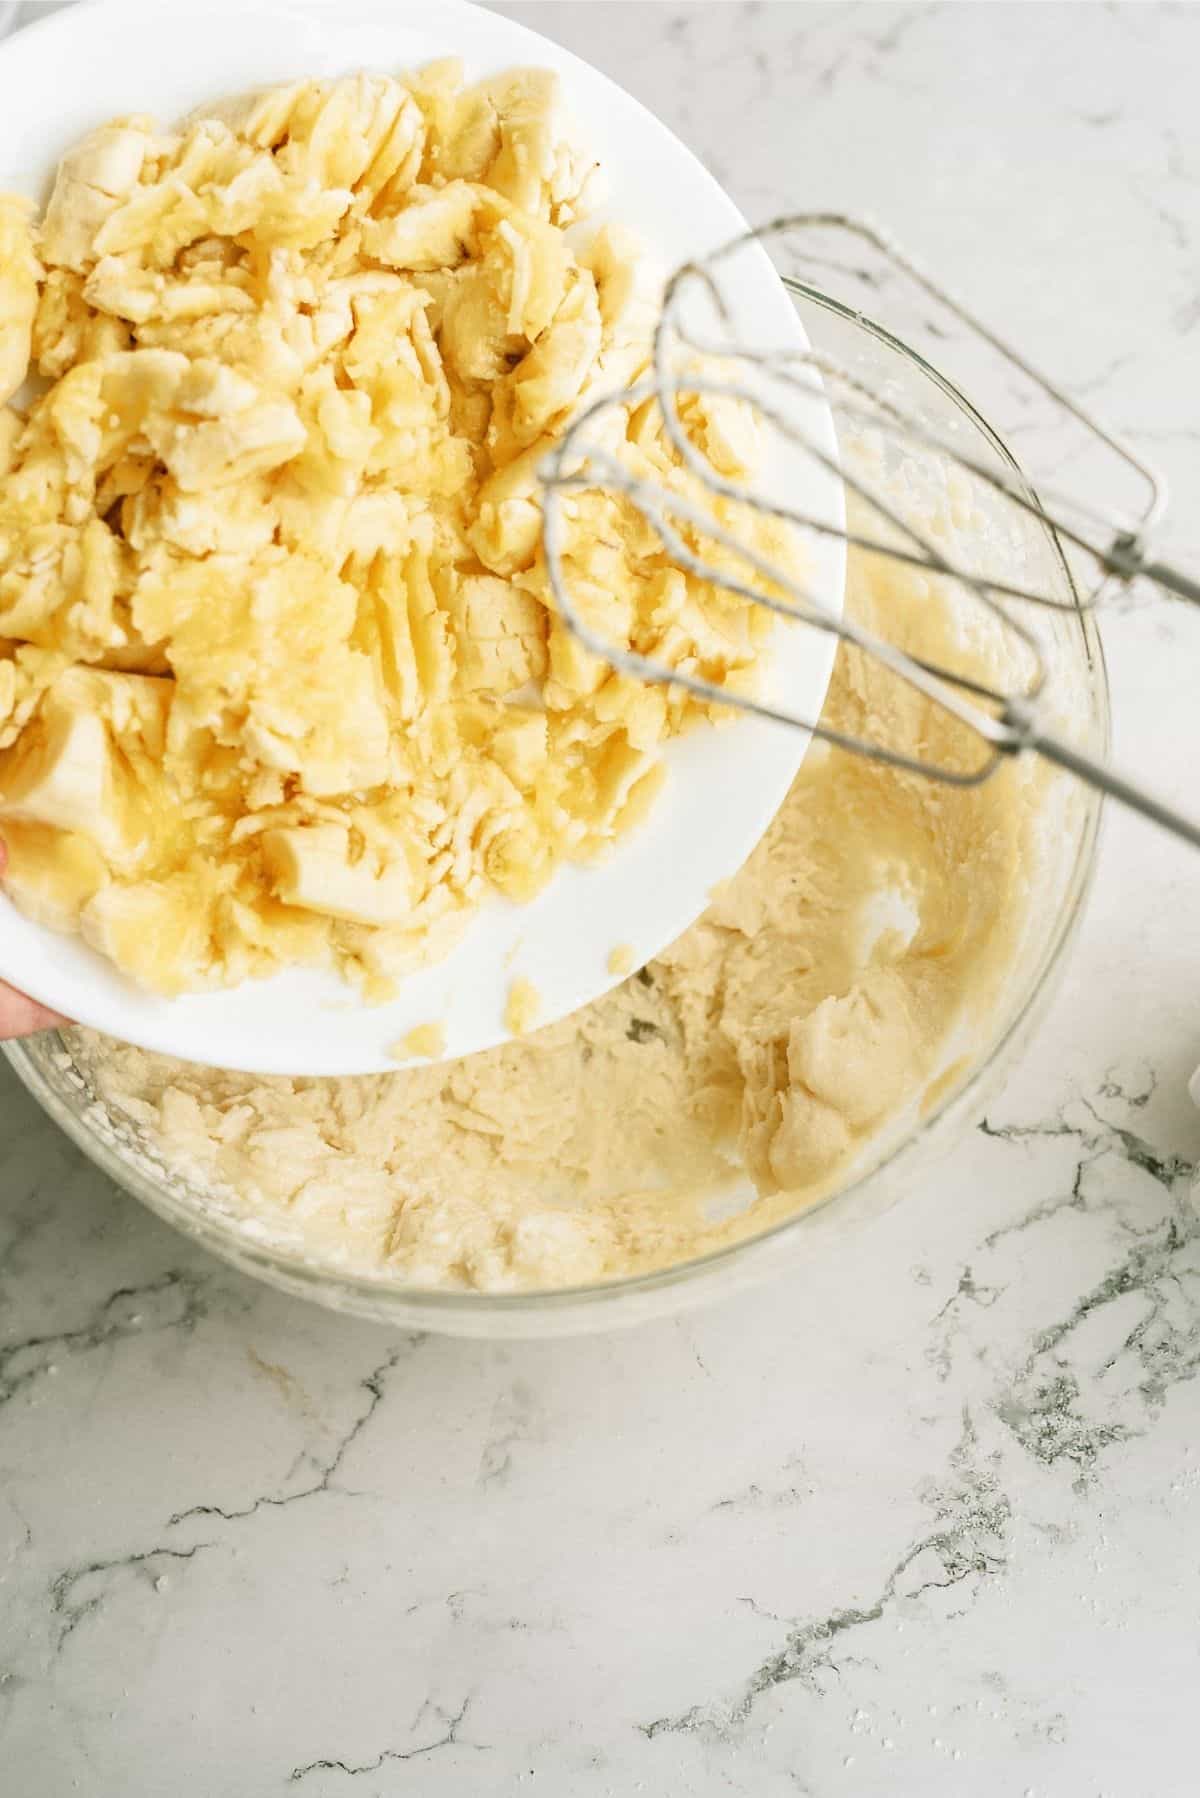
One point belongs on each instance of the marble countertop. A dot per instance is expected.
(927, 1523)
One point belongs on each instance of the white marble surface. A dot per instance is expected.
(926, 1524)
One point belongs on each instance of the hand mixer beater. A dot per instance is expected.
(1098, 554)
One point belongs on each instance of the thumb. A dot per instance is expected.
(20, 1016)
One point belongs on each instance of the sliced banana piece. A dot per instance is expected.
(158, 932)
(65, 770)
(51, 874)
(61, 774)
(19, 273)
(311, 867)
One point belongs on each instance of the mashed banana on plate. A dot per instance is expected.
(281, 678)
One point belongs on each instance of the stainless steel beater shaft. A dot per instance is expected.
(1006, 723)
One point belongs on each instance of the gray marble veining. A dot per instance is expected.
(922, 1519)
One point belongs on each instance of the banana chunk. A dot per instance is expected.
(65, 776)
(312, 868)
(500, 632)
(51, 874)
(61, 775)
(65, 770)
(218, 451)
(92, 181)
(158, 932)
(19, 275)
(432, 232)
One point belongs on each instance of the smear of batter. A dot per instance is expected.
(818, 996)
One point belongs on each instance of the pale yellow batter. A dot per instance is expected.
(819, 996)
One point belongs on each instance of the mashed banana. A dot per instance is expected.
(281, 679)
(826, 990)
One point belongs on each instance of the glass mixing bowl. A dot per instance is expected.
(899, 1156)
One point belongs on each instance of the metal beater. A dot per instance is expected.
(1099, 555)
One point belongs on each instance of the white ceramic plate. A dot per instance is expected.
(78, 68)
